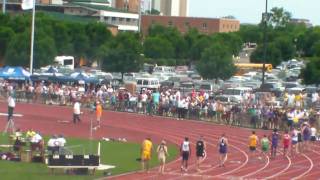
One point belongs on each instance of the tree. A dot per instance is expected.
(6, 33)
(280, 17)
(18, 50)
(315, 49)
(153, 12)
(98, 34)
(273, 55)
(250, 33)
(123, 54)
(311, 73)
(44, 52)
(216, 62)
(286, 47)
(232, 40)
(62, 39)
(199, 46)
(156, 47)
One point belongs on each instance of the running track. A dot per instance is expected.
(135, 127)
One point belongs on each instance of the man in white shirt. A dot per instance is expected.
(76, 112)
(11, 106)
(61, 141)
(37, 143)
(53, 144)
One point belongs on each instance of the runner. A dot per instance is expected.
(185, 151)
(313, 138)
(253, 142)
(223, 150)
(286, 143)
(274, 143)
(299, 140)
(98, 113)
(265, 146)
(294, 142)
(146, 153)
(200, 151)
(162, 151)
(306, 135)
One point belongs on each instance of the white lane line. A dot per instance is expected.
(277, 174)
(255, 172)
(15, 115)
(310, 168)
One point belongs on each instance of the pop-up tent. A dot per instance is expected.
(14, 73)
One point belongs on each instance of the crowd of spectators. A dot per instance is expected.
(256, 109)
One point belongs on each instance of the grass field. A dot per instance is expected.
(123, 155)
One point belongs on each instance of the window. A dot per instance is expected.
(170, 23)
(113, 18)
(128, 19)
(106, 18)
(139, 82)
(204, 25)
(187, 24)
(120, 19)
(145, 82)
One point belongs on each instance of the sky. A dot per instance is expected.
(249, 11)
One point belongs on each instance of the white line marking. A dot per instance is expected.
(15, 115)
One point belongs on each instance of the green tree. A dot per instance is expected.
(250, 33)
(273, 55)
(156, 48)
(311, 73)
(123, 54)
(232, 40)
(315, 49)
(280, 17)
(44, 51)
(199, 46)
(98, 35)
(62, 39)
(286, 47)
(18, 50)
(6, 33)
(79, 39)
(216, 62)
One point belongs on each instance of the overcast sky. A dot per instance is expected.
(249, 11)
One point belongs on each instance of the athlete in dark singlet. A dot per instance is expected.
(223, 149)
(200, 151)
(274, 143)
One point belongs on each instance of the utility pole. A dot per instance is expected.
(265, 19)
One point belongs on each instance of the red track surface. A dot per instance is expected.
(135, 127)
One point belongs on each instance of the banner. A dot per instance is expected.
(27, 4)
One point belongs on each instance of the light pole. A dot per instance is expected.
(265, 18)
(4, 6)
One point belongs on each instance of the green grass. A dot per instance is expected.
(122, 155)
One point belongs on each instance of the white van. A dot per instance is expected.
(148, 83)
(238, 92)
(65, 61)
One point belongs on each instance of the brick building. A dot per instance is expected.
(183, 24)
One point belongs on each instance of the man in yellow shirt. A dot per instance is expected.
(146, 152)
(253, 142)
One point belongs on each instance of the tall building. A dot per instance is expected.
(171, 7)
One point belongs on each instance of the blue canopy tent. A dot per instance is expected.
(14, 73)
(52, 70)
(78, 77)
(49, 75)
